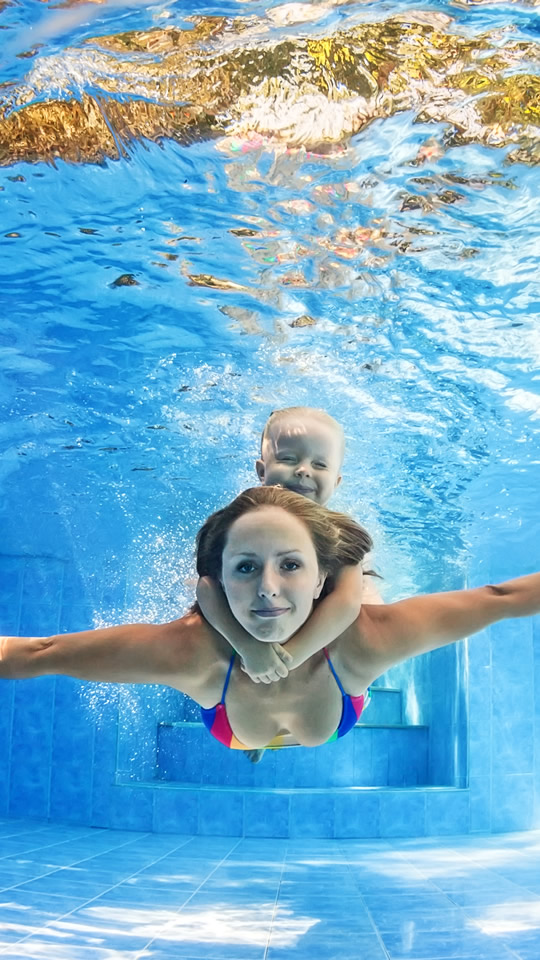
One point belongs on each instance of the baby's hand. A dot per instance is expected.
(266, 663)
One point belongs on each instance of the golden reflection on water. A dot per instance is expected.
(233, 80)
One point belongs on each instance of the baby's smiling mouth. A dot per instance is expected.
(299, 488)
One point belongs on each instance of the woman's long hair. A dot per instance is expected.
(338, 540)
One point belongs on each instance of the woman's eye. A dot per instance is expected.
(291, 565)
(245, 567)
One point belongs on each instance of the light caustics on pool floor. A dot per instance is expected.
(72, 892)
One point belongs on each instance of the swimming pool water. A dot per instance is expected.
(161, 293)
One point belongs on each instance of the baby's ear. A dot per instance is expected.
(338, 481)
(259, 466)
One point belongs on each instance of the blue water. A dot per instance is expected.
(425, 343)
(392, 281)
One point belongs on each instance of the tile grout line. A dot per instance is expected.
(140, 953)
(105, 890)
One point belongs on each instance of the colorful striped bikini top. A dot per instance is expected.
(216, 720)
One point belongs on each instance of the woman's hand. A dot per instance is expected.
(266, 662)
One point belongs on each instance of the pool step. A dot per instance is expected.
(379, 752)
(346, 812)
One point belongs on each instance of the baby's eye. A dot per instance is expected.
(286, 458)
(320, 465)
(291, 565)
(246, 566)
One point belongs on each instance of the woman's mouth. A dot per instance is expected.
(270, 612)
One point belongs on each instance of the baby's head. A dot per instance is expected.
(302, 449)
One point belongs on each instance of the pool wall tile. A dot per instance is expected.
(512, 802)
(357, 814)
(7, 690)
(266, 814)
(176, 811)
(446, 812)
(33, 712)
(312, 815)
(69, 751)
(402, 812)
(480, 792)
(221, 813)
(72, 756)
(131, 808)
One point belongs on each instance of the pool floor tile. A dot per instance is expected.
(137, 896)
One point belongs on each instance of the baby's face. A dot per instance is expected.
(303, 456)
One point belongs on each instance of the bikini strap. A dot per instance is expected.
(338, 681)
(227, 678)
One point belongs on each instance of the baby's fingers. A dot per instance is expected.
(280, 670)
(282, 653)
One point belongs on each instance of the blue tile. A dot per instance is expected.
(43, 580)
(479, 750)
(512, 803)
(39, 620)
(362, 758)
(447, 944)
(176, 811)
(131, 808)
(512, 745)
(335, 762)
(221, 813)
(480, 803)
(232, 947)
(33, 707)
(312, 815)
(401, 906)
(35, 948)
(309, 945)
(267, 814)
(402, 813)
(410, 925)
(72, 750)
(305, 773)
(356, 814)
(525, 945)
(285, 771)
(447, 812)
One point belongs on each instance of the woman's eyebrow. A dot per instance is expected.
(282, 553)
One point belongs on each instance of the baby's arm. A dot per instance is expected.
(333, 615)
(261, 661)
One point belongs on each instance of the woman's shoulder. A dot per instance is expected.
(194, 648)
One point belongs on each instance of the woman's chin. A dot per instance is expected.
(270, 631)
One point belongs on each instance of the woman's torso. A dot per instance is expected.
(307, 704)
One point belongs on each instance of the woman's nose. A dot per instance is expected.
(268, 586)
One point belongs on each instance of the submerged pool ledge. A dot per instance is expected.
(339, 812)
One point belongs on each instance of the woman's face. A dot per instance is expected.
(270, 574)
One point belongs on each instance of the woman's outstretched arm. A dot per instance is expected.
(169, 653)
(386, 635)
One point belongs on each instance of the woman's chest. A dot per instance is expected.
(308, 704)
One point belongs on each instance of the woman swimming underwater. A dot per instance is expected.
(275, 554)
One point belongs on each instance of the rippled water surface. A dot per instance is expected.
(210, 213)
